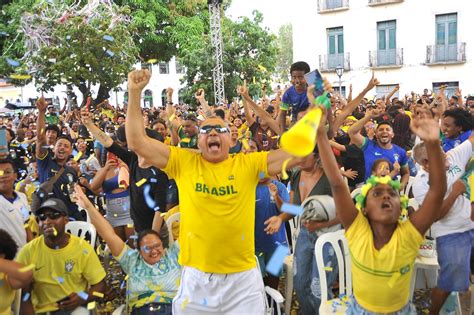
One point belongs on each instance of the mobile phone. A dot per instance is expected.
(3, 140)
(315, 78)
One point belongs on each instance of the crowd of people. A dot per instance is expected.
(126, 170)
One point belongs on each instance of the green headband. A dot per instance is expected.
(373, 181)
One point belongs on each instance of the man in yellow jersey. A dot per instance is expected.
(66, 269)
(217, 204)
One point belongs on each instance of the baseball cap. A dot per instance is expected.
(53, 204)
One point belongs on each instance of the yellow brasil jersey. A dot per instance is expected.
(217, 205)
(59, 272)
(7, 295)
(381, 278)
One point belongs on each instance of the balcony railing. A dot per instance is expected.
(330, 62)
(389, 58)
(445, 54)
(332, 5)
(381, 2)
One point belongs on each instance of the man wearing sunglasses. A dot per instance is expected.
(217, 204)
(65, 266)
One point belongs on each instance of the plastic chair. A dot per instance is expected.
(409, 185)
(275, 301)
(83, 230)
(288, 263)
(173, 218)
(337, 240)
(17, 302)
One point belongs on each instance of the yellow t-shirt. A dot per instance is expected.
(59, 272)
(217, 205)
(381, 278)
(29, 189)
(7, 295)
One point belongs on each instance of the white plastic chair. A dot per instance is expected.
(288, 263)
(408, 186)
(276, 299)
(17, 302)
(173, 218)
(336, 239)
(355, 192)
(83, 230)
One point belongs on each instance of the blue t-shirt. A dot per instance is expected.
(47, 168)
(373, 152)
(449, 144)
(265, 208)
(294, 102)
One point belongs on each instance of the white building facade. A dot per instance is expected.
(417, 44)
(164, 75)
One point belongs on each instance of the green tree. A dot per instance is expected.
(249, 52)
(285, 52)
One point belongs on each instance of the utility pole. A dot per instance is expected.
(216, 42)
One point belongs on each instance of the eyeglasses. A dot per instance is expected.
(50, 215)
(207, 129)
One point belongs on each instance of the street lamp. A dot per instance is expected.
(340, 72)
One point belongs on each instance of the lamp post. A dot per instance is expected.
(340, 72)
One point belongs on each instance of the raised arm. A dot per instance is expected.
(153, 151)
(345, 209)
(103, 227)
(16, 278)
(428, 130)
(354, 130)
(98, 134)
(41, 105)
(99, 178)
(201, 97)
(352, 105)
(264, 115)
(171, 119)
(389, 95)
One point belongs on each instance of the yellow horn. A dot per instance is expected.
(300, 139)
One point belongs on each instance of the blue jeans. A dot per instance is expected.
(306, 276)
(355, 309)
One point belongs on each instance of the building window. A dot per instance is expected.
(386, 43)
(449, 90)
(335, 47)
(163, 98)
(343, 89)
(179, 67)
(383, 90)
(446, 37)
(333, 4)
(164, 68)
(148, 66)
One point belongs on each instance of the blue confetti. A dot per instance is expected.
(108, 38)
(83, 295)
(153, 180)
(85, 251)
(12, 62)
(204, 302)
(122, 285)
(156, 209)
(133, 237)
(146, 194)
(110, 53)
(291, 209)
(60, 279)
(261, 175)
(276, 261)
(26, 296)
(153, 171)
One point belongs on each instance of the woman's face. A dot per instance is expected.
(151, 249)
(234, 133)
(383, 204)
(449, 127)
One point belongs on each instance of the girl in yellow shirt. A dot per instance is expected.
(11, 278)
(383, 248)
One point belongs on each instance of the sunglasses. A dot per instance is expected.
(50, 215)
(207, 129)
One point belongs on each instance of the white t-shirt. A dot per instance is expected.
(13, 217)
(458, 219)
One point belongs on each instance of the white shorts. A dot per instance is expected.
(210, 293)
